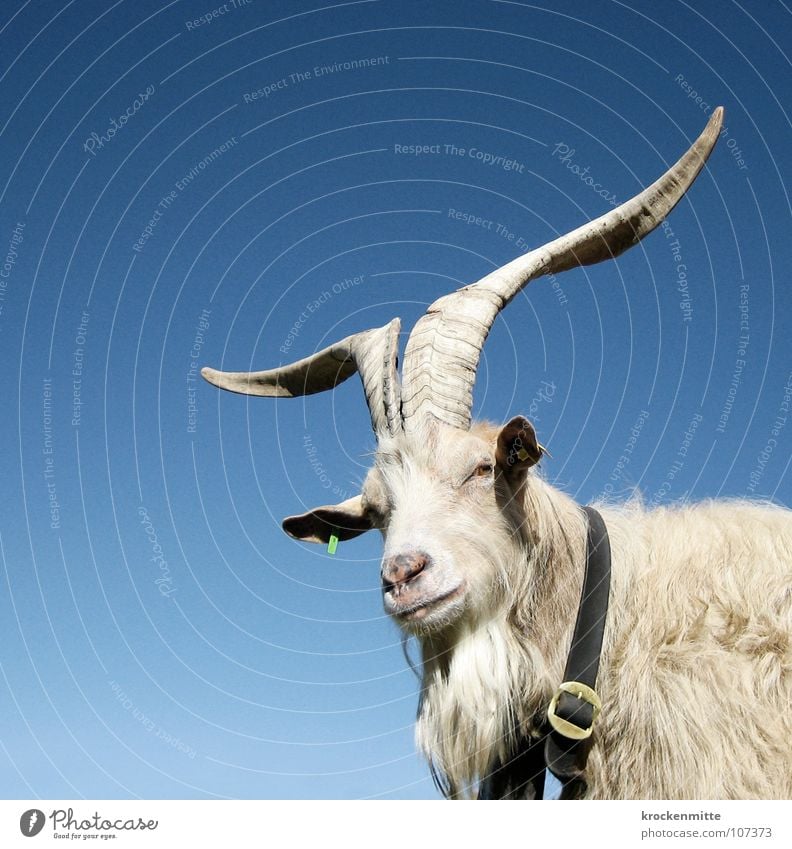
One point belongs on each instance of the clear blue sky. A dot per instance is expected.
(177, 191)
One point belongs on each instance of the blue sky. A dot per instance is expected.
(179, 189)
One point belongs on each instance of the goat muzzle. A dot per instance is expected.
(401, 569)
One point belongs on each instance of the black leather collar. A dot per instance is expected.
(575, 706)
(565, 741)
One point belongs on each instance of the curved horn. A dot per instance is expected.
(372, 353)
(443, 350)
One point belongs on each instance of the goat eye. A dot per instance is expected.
(483, 470)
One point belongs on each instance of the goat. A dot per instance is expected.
(483, 562)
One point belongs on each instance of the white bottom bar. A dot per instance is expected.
(394, 824)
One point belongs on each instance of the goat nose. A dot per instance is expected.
(403, 568)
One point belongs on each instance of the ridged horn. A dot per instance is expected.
(372, 353)
(443, 350)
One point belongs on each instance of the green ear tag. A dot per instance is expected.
(332, 544)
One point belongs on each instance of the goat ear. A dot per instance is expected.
(518, 448)
(344, 520)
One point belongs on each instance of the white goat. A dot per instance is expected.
(484, 563)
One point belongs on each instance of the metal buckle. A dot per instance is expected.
(585, 694)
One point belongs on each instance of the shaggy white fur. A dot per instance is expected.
(696, 673)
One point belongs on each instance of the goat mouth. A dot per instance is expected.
(421, 609)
